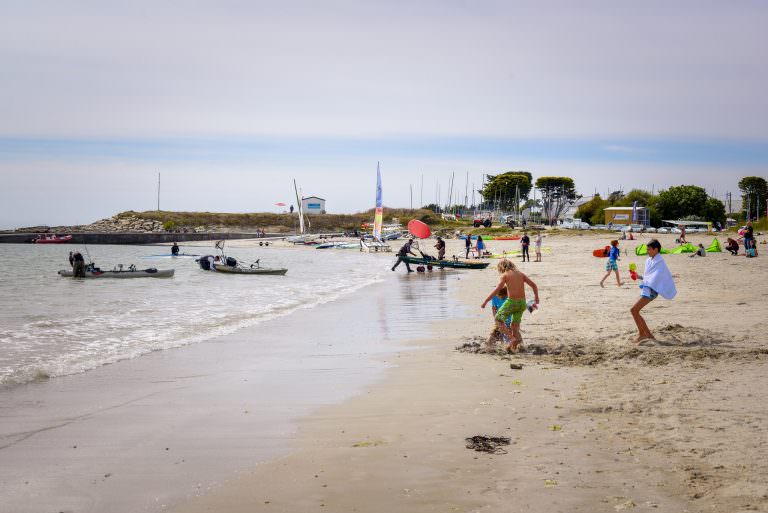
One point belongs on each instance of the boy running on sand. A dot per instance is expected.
(515, 305)
(611, 265)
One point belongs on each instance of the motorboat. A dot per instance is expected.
(52, 239)
(119, 272)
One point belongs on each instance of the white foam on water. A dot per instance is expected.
(52, 326)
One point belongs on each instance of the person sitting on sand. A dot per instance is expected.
(496, 303)
(514, 281)
(701, 251)
(656, 280)
(612, 265)
(733, 246)
(440, 247)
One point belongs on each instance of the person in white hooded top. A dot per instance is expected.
(657, 280)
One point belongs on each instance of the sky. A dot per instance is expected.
(231, 100)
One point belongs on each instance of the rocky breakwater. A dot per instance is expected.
(121, 223)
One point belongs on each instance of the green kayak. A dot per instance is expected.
(453, 264)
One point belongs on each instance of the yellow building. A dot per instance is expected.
(624, 215)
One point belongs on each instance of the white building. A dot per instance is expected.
(313, 205)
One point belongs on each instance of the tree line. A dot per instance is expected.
(554, 194)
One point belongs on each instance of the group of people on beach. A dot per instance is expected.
(509, 300)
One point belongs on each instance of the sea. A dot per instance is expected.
(52, 326)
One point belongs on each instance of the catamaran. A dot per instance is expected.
(376, 245)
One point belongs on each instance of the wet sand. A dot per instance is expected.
(596, 422)
(144, 434)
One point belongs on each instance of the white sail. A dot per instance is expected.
(301, 213)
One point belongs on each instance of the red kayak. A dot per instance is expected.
(52, 239)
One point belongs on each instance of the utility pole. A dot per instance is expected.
(411, 196)
(158, 191)
(466, 191)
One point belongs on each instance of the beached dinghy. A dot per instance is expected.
(131, 272)
(238, 269)
(453, 264)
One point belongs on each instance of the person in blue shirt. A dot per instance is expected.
(612, 265)
(496, 303)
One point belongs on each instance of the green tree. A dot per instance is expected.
(754, 192)
(592, 211)
(506, 187)
(714, 211)
(557, 193)
(682, 201)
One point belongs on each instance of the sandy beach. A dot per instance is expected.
(596, 422)
(366, 404)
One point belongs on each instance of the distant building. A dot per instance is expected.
(623, 215)
(313, 205)
(570, 211)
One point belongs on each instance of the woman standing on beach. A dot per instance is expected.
(656, 280)
(538, 247)
(480, 247)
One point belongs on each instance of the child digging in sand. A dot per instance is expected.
(514, 281)
(656, 280)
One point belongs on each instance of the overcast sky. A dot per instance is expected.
(231, 100)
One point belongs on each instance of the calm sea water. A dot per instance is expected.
(52, 326)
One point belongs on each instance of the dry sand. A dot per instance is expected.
(596, 423)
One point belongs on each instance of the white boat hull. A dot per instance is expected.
(139, 273)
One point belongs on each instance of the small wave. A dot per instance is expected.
(51, 348)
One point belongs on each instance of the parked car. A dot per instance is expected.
(574, 224)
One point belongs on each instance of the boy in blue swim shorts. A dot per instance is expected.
(612, 265)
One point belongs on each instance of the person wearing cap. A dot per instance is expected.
(404, 251)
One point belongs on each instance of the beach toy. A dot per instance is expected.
(601, 253)
(532, 306)
(633, 271)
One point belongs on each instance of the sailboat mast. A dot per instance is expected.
(298, 202)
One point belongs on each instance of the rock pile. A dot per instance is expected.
(124, 224)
